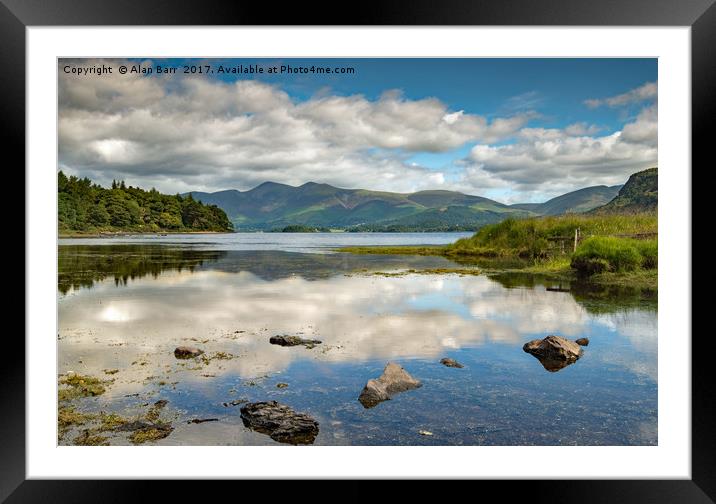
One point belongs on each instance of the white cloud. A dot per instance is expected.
(451, 118)
(195, 133)
(582, 129)
(644, 129)
(648, 91)
(549, 162)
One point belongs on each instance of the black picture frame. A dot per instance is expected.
(700, 15)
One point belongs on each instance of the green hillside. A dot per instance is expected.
(640, 194)
(451, 218)
(271, 206)
(84, 207)
(578, 201)
(276, 206)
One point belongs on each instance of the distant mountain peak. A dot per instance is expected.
(579, 201)
(270, 183)
(273, 205)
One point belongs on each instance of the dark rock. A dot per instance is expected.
(286, 340)
(235, 402)
(450, 363)
(281, 385)
(394, 379)
(184, 352)
(280, 422)
(554, 352)
(582, 341)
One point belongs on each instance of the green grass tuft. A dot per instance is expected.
(600, 254)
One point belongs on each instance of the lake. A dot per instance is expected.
(125, 303)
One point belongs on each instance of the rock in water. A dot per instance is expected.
(393, 380)
(450, 363)
(285, 340)
(280, 422)
(582, 341)
(185, 352)
(554, 352)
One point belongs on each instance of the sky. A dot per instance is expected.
(514, 130)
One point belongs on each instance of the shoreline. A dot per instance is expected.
(118, 234)
(163, 233)
(558, 270)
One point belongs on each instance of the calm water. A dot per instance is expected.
(126, 303)
(293, 242)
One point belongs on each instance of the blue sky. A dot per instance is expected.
(491, 87)
(512, 129)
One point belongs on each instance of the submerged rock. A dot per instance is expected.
(450, 363)
(185, 352)
(554, 352)
(235, 402)
(394, 379)
(582, 341)
(286, 340)
(280, 422)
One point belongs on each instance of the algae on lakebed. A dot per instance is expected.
(153, 433)
(94, 427)
(89, 437)
(68, 417)
(80, 386)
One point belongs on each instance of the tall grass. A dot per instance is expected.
(606, 253)
(531, 237)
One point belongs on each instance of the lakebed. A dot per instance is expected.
(126, 303)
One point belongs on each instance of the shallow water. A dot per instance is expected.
(126, 306)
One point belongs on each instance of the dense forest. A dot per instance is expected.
(90, 208)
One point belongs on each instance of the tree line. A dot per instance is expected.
(87, 207)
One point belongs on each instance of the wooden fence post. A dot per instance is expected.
(576, 238)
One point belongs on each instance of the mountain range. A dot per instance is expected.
(274, 206)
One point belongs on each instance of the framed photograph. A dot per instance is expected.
(423, 244)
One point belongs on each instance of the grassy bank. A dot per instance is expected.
(607, 252)
(543, 237)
